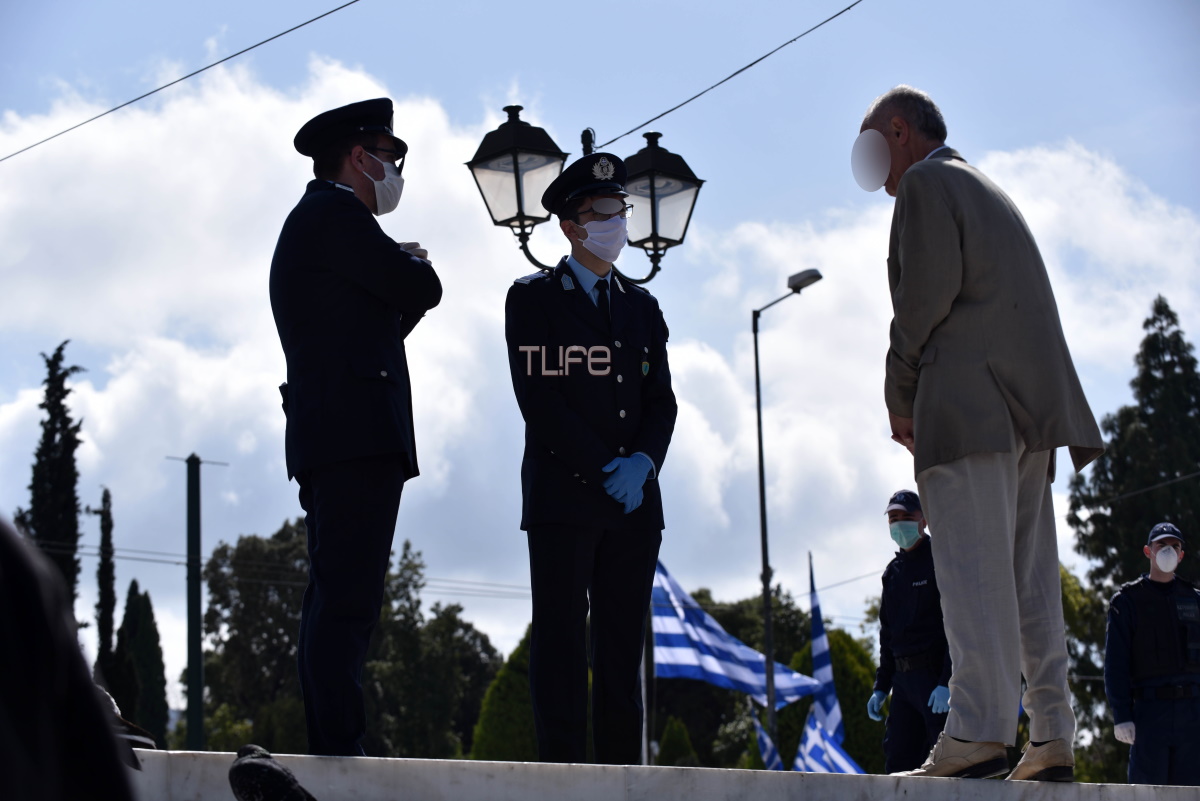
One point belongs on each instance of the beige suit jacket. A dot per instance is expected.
(975, 337)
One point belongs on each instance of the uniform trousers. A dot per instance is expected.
(912, 726)
(996, 556)
(609, 571)
(1166, 745)
(350, 512)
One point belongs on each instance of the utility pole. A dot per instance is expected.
(195, 668)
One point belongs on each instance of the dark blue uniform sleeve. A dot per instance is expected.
(1118, 657)
(887, 662)
(548, 418)
(374, 261)
(659, 407)
(947, 670)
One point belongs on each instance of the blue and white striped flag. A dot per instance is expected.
(825, 702)
(689, 644)
(819, 752)
(770, 754)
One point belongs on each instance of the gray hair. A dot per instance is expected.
(914, 106)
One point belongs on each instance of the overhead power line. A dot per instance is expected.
(637, 128)
(178, 80)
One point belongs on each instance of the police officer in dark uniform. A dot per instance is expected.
(914, 659)
(345, 296)
(588, 357)
(1152, 667)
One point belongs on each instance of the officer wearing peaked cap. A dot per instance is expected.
(587, 353)
(345, 296)
(1152, 666)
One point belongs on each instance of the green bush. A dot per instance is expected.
(676, 746)
(505, 731)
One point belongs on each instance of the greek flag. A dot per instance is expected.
(825, 702)
(770, 754)
(819, 752)
(689, 644)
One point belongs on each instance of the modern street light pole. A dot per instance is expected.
(795, 284)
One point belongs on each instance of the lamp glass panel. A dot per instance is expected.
(498, 186)
(674, 198)
(537, 172)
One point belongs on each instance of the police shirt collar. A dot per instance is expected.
(342, 186)
(585, 278)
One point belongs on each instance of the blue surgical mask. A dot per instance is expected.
(905, 532)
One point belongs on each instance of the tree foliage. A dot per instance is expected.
(505, 731)
(107, 595)
(1149, 446)
(52, 519)
(421, 683)
(138, 681)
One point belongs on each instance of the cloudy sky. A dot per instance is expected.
(146, 237)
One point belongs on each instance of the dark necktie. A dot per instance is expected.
(602, 299)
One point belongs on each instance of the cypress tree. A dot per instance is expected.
(140, 684)
(1147, 475)
(676, 750)
(52, 519)
(105, 578)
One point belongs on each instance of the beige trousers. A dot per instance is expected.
(991, 519)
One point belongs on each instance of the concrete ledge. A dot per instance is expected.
(204, 776)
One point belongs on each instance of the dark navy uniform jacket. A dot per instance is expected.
(587, 396)
(1147, 652)
(910, 614)
(345, 295)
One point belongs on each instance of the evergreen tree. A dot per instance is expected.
(505, 729)
(139, 683)
(105, 579)
(675, 748)
(52, 519)
(1148, 474)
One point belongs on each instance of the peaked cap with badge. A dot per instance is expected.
(365, 116)
(594, 174)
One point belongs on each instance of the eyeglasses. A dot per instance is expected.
(609, 207)
(395, 155)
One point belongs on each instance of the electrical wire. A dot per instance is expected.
(178, 80)
(731, 75)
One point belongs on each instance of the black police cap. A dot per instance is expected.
(1162, 531)
(329, 127)
(595, 174)
(903, 501)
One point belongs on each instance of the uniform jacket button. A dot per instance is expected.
(645, 348)
(622, 412)
(620, 379)
(383, 373)
(621, 450)
(617, 343)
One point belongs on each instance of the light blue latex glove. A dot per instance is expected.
(875, 705)
(939, 700)
(628, 476)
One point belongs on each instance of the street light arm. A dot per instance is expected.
(757, 312)
(523, 238)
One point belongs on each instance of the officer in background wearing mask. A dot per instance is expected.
(914, 659)
(345, 295)
(588, 357)
(1152, 667)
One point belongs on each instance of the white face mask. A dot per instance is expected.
(1167, 559)
(606, 238)
(389, 190)
(870, 160)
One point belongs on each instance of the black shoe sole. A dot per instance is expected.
(984, 770)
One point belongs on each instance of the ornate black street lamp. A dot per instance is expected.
(663, 190)
(512, 167)
(516, 162)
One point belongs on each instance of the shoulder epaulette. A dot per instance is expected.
(525, 279)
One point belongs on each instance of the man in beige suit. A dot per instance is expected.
(981, 389)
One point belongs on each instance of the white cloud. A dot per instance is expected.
(156, 250)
